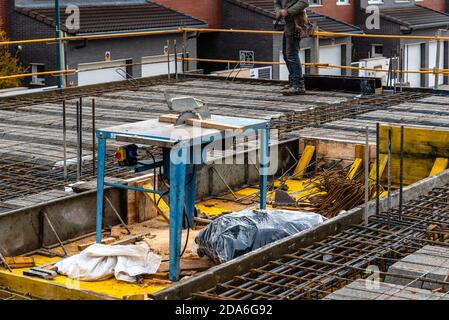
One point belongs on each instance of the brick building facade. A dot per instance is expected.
(439, 5)
(343, 10)
(143, 55)
(205, 10)
(3, 15)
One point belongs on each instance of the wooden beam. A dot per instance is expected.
(44, 289)
(207, 124)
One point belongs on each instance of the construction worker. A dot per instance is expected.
(289, 9)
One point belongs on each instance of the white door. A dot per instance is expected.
(158, 65)
(330, 55)
(432, 62)
(283, 71)
(413, 63)
(101, 72)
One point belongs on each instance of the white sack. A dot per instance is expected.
(99, 262)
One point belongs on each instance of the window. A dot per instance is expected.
(315, 3)
(377, 50)
(37, 80)
(342, 2)
(375, 1)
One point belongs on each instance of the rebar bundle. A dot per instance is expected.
(334, 192)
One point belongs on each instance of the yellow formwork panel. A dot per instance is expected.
(304, 162)
(417, 141)
(439, 166)
(355, 168)
(216, 207)
(111, 288)
(383, 160)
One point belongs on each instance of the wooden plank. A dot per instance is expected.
(304, 162)
(133, 214)
(144, 208)
(20, 262)
(439, 166)
(171, 118)
(46, 289)
(162, 208)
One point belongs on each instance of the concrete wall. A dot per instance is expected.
(206, 10)
(25, 230)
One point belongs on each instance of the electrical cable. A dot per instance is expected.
(184, 214)
(154, 172)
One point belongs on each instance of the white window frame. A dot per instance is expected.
(37, 80)
(318, 4)
(343, 2)
(373, 50)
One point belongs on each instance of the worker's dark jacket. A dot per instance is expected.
(294, 7)
(290, 43)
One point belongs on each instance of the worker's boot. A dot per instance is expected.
(294, 91)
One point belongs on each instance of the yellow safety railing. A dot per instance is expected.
(45, 73)
(312, 65)
(92, 37)
(182, 30)
(256, 32)
(325, 65)
(321, 34)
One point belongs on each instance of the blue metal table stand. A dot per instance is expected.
(181, 174)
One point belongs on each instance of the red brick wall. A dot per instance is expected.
(340, 12)
(206, 10)
(434, 4)
(2, 13)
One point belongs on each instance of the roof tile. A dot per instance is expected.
(323, 22)
(119, 18)
(415, 16)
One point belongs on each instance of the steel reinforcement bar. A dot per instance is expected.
(315, 271)
(26, 177)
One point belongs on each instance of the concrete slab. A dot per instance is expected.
(366, 290)
(430, 262)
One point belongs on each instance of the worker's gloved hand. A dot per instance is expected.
(281, 13)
